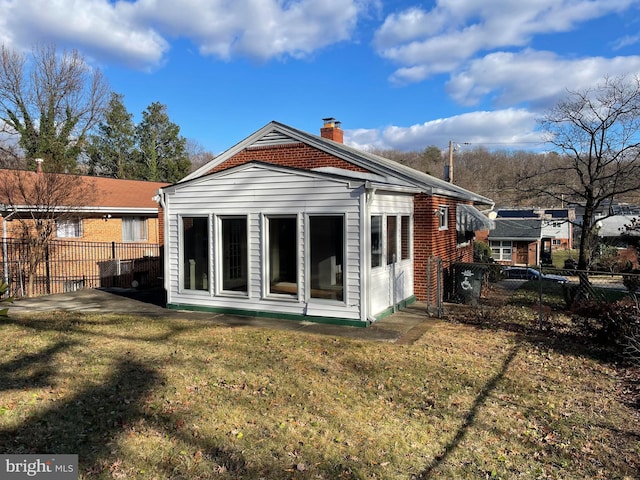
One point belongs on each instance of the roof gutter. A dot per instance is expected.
(121, 210)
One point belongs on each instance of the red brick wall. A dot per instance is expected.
(296, 155)
(430, 241)
(160, 225)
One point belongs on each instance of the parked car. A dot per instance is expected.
(531, 274)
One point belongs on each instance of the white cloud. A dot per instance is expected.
(104, 30)
(539, 78)
(137, 33)
(439, 40)
(256, 28)
(625, 41)
(505, 129)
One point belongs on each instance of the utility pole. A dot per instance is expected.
(452, 148)
(450, 179)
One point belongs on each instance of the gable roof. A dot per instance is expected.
(108, 194)
(352, 178)
(275, 133)
(516, 229)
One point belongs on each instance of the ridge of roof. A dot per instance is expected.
(110, 192)
(376, 163)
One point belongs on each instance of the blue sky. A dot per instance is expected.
(398, 74)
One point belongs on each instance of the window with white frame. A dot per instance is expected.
(234, 254)
(556, 242)
(443, 217)
(134, 229)
(69, 228)
(501, 250)
(392, 242)
(405, 237)
(195, 253)
(282, 256)
(376, 241)
(326, 246)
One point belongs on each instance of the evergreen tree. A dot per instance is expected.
(111, 151)
(162, 155)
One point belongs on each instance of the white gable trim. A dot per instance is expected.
(279, 134)
(349, 182)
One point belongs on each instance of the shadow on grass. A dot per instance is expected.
(74, 322)
(521, 316)
(90, 422)
(85, 423)
(470, 416)
(32, 370)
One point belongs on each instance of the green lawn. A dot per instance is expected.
(190, 399)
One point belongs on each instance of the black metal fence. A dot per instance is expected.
(65, 266)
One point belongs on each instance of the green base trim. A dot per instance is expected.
(263, 314)
(399, 306)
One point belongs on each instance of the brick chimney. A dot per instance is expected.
(39, 165)
(332, 130)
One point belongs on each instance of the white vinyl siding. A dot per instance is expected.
(258, 193)
(392, 283)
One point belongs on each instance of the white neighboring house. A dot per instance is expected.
(613, 231)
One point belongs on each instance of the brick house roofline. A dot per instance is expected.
(112, 194)
(275, 133)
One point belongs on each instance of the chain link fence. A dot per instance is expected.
(468, 282)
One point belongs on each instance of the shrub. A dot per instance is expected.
(610, 323)
(4, 286)
(632, 348)
(632, 281)
(494, 273)
(481, 252)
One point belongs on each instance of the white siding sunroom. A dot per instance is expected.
(261, 239)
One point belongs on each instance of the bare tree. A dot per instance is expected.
(36, 204)
(198, 156)
(51, 103)
(598, 133)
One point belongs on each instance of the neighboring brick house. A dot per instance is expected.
(295, 225)
(105, 232)
(515, 241)
(114, 211)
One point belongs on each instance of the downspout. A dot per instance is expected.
(365, 258)
(4, 246)
(490, 209)
(370, 192)
(159, 197)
